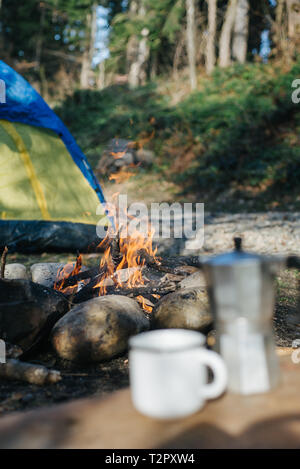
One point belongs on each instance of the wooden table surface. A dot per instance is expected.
(263, 421)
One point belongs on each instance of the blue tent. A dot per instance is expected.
(46, 182)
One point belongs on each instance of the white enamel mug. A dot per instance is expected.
(168, 373)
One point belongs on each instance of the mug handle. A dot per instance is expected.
(218, 367)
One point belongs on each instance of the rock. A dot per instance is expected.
(46, 273)
(125, 160)
(146, 157)
(15, 271)
(98, 329)
(196, 280)
(118, 153)
(185, 308)
(25, 309)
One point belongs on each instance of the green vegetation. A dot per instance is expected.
(238, 135)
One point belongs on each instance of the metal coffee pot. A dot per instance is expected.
(242, 295)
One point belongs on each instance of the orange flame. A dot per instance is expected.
(129, 246)
(142, 301)
(65, 272)
(118, 154)
(122, 176)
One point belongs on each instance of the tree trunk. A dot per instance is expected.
(280, 30)
(101, 76)
(154, 66)
(87, 57)
(210, 60)
(293, 11)
(178, 54)
(140, 51)
(240, 33)
(39, 42)
(226, 33)
(85, 69)
(133, 43)
(93, 32)
(190, 38)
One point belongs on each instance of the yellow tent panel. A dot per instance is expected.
(39, 180)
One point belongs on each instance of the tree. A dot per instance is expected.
(226, 34)
(210, 59)
(190, 39)
(240, 32)
(137, 70)
(293, 14)
(88, 54)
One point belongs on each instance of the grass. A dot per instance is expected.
(235, 139)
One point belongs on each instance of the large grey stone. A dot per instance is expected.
(98, 329)
(144, 156)
(195, 280)
(15, 271)
(186, 308)
(45, 273)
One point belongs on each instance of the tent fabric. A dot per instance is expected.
(25, 105)
(49, 196)
(37, 236)
(35, 185)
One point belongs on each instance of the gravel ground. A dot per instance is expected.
(269, 232)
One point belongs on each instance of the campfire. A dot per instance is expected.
(89, 314)
(129, 265)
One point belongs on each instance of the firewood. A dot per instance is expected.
(74, 279)
(3, 261)
(145, 290)
(169, 265)
(171, 278)
(30, 373)
(115, 248)
(95, 273)
(166, 265)
(154, 263)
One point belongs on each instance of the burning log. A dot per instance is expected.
(14, 369)
(147, 290)
(3, 261)
(133, 253)
(165, 285)
(169, 265)
(74, 279)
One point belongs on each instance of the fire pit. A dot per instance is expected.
(78, 320)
